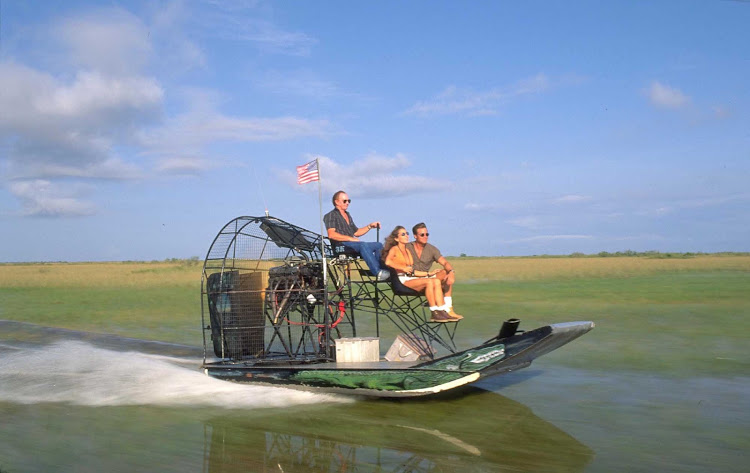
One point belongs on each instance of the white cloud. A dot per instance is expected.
(666, 97)
(59, 128)
(373, 176)
(268, 37)
(111, 40)
(93, 96)
(183, 166)
(303, 83)
(571, 199)
(77, 122)
(203, 124)
(244, 21)
(453, 100)
(490, 206)
(656, 211)
(526, 222)
(195, 130)
(69, 129)
(110, 168)
(41, 198)
(175, 45)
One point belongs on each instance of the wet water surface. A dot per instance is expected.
(71, 401)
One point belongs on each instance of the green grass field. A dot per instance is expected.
(681, 317)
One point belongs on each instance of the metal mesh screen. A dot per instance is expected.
(263, 295)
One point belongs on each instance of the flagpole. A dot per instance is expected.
(326, 320)
(322, 243)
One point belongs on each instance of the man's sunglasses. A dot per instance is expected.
(346, 201)
(424, 234)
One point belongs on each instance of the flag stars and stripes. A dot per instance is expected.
(308, 172)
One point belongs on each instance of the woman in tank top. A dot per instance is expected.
(396, 256)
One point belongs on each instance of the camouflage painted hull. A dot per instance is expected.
(408, 379)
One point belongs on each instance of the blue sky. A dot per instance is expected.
(135, 130)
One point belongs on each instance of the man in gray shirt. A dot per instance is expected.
(342, 230)
(424, 255)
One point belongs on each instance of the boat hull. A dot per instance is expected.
(408, 379)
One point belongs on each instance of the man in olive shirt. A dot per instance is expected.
(424, 255)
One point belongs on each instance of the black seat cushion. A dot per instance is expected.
(339, 249)
(399, 288)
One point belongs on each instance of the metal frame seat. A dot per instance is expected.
(407, 309)
(403, 306)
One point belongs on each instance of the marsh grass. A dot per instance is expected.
(680, 323)
(155, 301)
(686, 317)
(529, 269)
(87, 275)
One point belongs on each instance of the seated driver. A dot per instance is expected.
(342, 229)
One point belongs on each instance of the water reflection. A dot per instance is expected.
(480, 431)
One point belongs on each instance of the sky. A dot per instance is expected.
(134, 130)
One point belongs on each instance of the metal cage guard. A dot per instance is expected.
(270, 294)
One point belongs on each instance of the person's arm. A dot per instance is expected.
(334, 235)
(449, 271)
(366, 228)
(445, 264)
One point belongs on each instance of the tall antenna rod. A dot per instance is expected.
(260, 189)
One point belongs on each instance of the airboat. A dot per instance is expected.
(284, 306)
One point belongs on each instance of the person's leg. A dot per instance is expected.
(420, 285)
(369, 251)
(431, 289)
(439, 313)
(442, 275)
(447, 289)
(448, 294)
(438, 291)
(354, 245)
(430, 293)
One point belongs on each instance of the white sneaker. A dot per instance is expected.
(384, 275)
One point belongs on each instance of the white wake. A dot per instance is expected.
(78, 373)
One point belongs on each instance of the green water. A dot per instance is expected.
(72, 401)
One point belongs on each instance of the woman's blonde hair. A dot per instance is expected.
(390, 241)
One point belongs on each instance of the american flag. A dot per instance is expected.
(308, 172)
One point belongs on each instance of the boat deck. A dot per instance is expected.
(364, 366)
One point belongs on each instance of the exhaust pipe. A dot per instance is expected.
(509, 328)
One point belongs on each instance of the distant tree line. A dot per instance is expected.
(656, 254)
(196, 260)
(631, 253)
